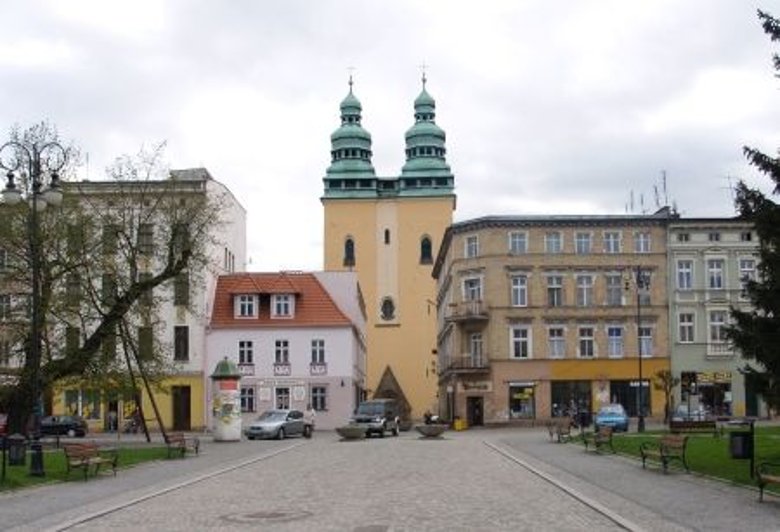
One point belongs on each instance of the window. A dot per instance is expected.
(642, 242)
(717, 326)
(746, 236)
(349, 252)
(5, 307)
(683, 237)
(387, 309)
(181, 289)
(612, 242)
(556, 344)
(73, 289)
(475, 349)
(181, 237)
(713, 236)
(614, 290)
(247, 306)
(283, 398)
(646, 341)
(72, 339)
(109, 238)
(685, 322)
(615, 341)
(519, 291)
(247, 399)
(318, 351)
(75, 240)
(747, 272)
(145, 343)
(283, 305)
(521, 342)
(715, 274)
(246, 353)
(319, 398)
(108, 290)
(146, 239)
(472, 289)
(147, 296)
(472, 247)
(282, 352)
(684, 274)
(518, 243)
(584, 290)
(553, 242)
(582, 243)
(387, 236)
(426, 251)
(3, 260)
(555, 291)
(181, 343)
(5, 353)
(586, 343)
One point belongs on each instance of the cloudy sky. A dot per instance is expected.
(549, 107)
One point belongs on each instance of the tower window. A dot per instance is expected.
(388, 309)
(387, 236)
(426, 255)
(349, 252)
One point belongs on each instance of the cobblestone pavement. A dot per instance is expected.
(504, 479)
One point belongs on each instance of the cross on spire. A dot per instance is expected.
(423, 67)
(351, 70)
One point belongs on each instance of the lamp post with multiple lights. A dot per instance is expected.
(39, 182)
(642, 281)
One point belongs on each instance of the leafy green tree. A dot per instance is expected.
(110, 258)
(756, 332)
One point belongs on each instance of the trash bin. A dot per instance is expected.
(17, 449)
(740, 444)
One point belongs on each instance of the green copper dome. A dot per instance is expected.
(425, 142)
(350, 145)
(226, 369)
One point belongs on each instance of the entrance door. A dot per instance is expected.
(283, 398)
(474, 415)
(181, 408)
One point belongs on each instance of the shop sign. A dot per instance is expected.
(479, 386)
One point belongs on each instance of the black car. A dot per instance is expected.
(63, 426)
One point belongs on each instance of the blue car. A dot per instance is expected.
(614, 416)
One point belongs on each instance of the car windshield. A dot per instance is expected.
(611, 409)
(370, 409)
(272, 415)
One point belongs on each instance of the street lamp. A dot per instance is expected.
(34, 163)
(642, 280)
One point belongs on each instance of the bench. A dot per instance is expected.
(694, 426)
(669, 447)
(602, 437)
(559, 429)
(178, 443)
(84, 455)
(767, 473)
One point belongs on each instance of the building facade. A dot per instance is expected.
(298, 341)
(541, 316)
(387, 229)
(709, 259)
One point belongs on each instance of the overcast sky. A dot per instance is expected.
(549, 107)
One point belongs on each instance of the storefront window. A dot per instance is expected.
(569, 398)
(521, 401)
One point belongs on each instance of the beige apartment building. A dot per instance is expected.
(542, 315)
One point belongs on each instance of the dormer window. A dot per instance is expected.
(246, 306)
(283, 305)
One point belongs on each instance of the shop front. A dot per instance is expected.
(522, 399)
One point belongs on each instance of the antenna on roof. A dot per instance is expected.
(632, 200)
(642, 202)
(657, 198)
(663, 184)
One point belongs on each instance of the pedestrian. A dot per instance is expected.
(309, 418)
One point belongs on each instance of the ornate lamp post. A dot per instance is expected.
(37, 164)
(642, 280)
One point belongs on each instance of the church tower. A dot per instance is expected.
(388, 230)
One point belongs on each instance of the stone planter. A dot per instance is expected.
(431, 431)
(351, 432)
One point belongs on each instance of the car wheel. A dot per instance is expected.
(280, 434)
(71, 433)
(250, 437)
(382, 431)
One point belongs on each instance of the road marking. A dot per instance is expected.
(600, 508)
(180, 485)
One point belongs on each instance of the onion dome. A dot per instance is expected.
(425, 142)
(350, 143)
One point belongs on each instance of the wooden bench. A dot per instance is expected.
(559, 429)
(767, 473)
(669, 447)
(602, 437)
(84, 455)
(694, 426)
(178, 443)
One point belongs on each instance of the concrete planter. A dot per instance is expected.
(431, 431)
(351, 432)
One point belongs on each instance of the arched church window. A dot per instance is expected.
(426, 251)
(387, 236)
(349, 252)
(387, 309)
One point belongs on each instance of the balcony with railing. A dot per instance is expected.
(318, 368)
(475, 309)
(246, 370)
(719, 350)
(282, 369)
(468, 363)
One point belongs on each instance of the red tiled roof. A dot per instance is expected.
(313, 304)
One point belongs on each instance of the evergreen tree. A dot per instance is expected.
(756, 332)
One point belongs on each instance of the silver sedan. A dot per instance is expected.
(276, 424)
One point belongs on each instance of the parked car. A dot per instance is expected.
(64, 425)
(377, 416)
(276, 424)
(612, 415)
(696, 413)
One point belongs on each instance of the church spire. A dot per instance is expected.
(350, 143)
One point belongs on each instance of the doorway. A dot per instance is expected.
(181, 408)
(474, 411)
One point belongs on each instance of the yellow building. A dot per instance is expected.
(387, 230)
(543, 315)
